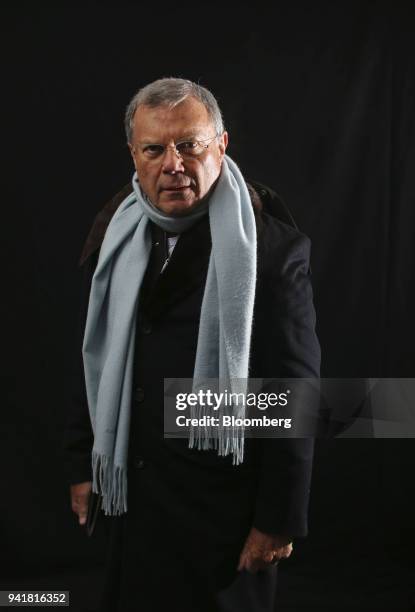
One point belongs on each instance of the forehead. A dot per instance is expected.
(161, 123)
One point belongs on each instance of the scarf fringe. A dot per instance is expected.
(221, 439)
(111, 482)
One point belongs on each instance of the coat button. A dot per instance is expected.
(138, 463)
(145, 327)
(139, 394)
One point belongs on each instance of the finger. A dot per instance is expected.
(80, 507)
(78, 504)
(269, 557)
(287, 552)
(78, 500)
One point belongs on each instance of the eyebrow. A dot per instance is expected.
(192, 134)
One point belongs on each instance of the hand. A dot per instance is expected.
(80, 494)
(262, 548)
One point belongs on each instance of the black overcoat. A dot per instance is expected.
(189, 511)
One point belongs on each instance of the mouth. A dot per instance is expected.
(176, 188)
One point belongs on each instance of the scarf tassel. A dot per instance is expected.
(111, 481)
(204, 438)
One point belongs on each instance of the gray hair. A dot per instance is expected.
(170, 92)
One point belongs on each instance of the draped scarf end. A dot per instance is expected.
(111, 481)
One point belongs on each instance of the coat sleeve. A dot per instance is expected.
(291, 350)
(78, 436)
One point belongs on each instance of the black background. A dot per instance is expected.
(318, 99)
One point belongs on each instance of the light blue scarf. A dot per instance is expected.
(225, 323)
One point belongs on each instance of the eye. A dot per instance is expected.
(187, 146)
(153, 150)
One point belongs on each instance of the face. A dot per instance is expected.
(173, 183)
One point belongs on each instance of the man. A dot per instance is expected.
(187, 274)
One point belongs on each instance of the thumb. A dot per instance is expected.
(81, 508)
(82, 516)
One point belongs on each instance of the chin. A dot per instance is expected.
(177, 206)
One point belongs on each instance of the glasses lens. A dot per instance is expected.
(189, 148)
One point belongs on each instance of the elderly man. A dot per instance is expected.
(187, 273)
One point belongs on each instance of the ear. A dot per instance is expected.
(223, 143)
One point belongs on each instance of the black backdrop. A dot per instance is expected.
(318, 99)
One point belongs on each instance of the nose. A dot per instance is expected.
(172, 161)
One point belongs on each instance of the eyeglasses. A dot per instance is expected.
(186, 149)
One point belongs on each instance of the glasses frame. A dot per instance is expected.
(200, 142)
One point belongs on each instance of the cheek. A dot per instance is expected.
(146, 178)
(210, 172)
